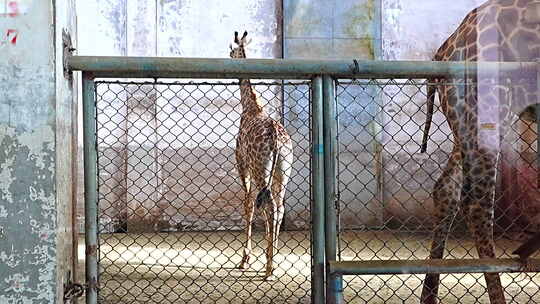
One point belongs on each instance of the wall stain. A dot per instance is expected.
(303, 21)
(360, 18)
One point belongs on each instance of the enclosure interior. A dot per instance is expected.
(385, 185)
(171, 221)
(171, 215)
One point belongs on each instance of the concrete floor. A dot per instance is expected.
(200, 268)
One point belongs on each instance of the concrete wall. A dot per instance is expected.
(413, 30)
(331, 29)
(342, 29)
(186, 28)
(383, 176)
(139, 174)
(35, 155)
(316, 29)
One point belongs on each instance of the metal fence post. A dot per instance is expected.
(538, 124)
(334, 283)
(317, 176)
(90, 187)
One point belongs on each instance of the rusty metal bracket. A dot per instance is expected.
(356, 69)
(67, 47)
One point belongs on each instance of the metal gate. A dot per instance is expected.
(370, 189)
(170, 211)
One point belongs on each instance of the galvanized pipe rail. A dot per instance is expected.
(387, 267)
(170, 67)
(90, 188)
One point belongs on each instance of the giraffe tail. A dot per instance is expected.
(431, 89)
(265, 195)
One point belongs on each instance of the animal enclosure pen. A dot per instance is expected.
(370, 185)
(167, 177)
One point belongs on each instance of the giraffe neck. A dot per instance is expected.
(250, 104)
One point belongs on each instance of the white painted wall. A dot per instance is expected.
(187, 28)
(170, 28)
(409, 30)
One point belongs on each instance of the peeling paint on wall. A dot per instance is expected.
(27, 216)
(35, 102)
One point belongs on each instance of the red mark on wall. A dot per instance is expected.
(11, 36)
(13, 9)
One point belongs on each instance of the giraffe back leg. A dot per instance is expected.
(479, 205)
(446, 196)
(480, 161)
(276, 211)
(249, 210)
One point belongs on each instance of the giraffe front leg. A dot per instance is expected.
(446, 195)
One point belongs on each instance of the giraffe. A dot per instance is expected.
(478, 115)
(264, 156)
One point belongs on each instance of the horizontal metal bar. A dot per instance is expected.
(169, 67)
(431, 266)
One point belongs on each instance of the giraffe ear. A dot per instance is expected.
(248, 41)
(236, 38)
(230, 46)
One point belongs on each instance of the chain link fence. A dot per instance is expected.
(384, 190)
(171, 217)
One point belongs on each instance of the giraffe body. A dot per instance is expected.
(264, 156)
(479, 115)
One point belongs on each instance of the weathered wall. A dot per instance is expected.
(140, 178)
(65, 21)
(414, 30)
(384, 170)
(331, 29)
(316, 29)
(35, 155)
(342, 29)
(186, 28)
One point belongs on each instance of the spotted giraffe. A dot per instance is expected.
(479, 115)
(264, 156)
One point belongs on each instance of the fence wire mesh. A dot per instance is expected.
(171, 217)
(384, 189)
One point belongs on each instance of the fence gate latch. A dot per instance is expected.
(72, 290)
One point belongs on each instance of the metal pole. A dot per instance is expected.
(388, 267)
(317, 176)
(334, 283)
(90, 187)
(165, 67)
(538, 124)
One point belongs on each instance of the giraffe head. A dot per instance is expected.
(239, 51)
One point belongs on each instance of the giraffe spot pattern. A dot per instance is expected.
(493, 31)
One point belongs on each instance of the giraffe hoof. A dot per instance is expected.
(242, 266)
(270, 278)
